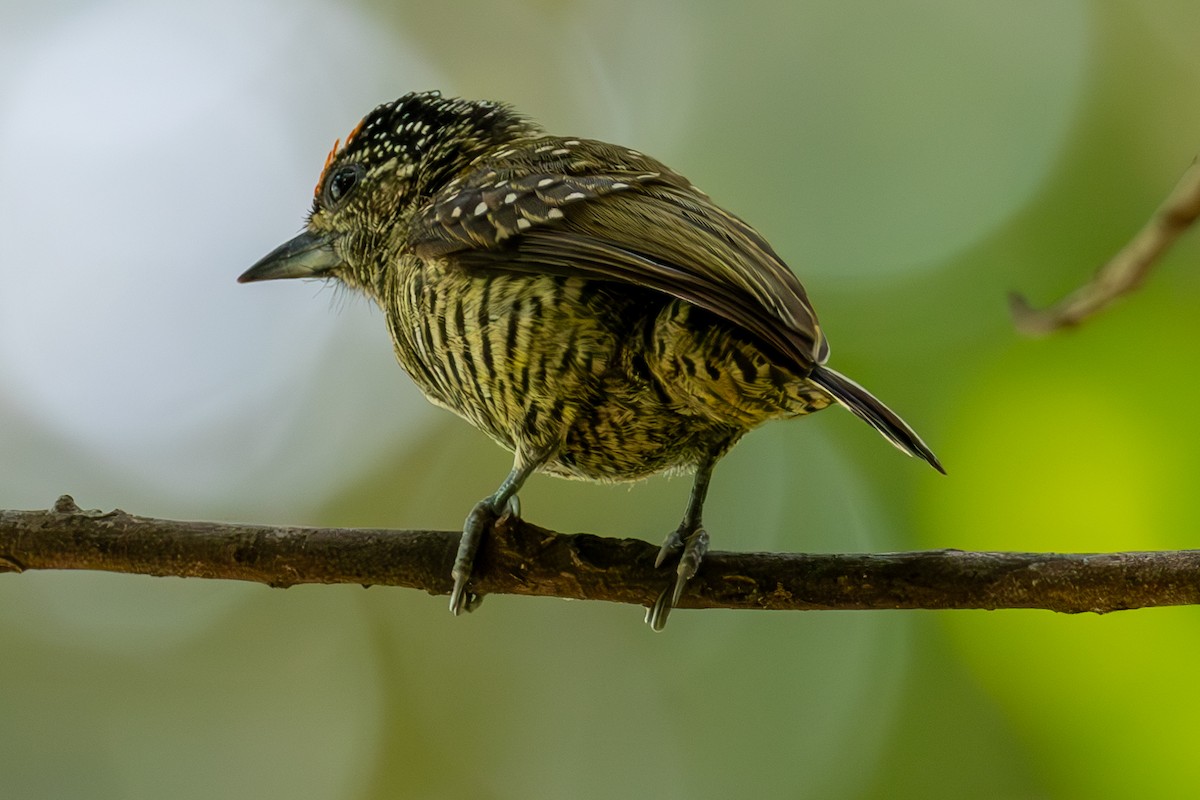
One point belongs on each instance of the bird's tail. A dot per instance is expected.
(874, 413)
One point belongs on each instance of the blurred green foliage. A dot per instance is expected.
(914, 162)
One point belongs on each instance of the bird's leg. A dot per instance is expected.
(689, 542)
(479, 522)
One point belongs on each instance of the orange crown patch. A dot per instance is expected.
(337, 143)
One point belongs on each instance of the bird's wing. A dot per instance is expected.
(638, 223)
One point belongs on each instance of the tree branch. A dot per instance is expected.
(519, 558)
(1125, 271)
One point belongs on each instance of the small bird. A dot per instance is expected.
(579, 302)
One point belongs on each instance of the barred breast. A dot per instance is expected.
(620, 383)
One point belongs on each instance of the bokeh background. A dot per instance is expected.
(913, 161)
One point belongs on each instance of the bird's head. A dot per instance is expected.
(393, 161)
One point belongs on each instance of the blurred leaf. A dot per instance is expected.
(1085, 442)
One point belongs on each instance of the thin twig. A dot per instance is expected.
(1125, 271)
(519, 558)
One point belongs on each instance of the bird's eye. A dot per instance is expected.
(342, 182)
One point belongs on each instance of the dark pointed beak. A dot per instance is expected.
(309, 255)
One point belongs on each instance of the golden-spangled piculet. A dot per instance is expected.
(581, 303)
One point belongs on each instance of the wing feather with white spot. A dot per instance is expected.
(488, 210)
(544, 209)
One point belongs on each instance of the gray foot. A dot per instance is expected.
(481, 519)
(690, 548)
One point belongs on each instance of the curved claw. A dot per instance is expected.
(460, 599)
(671, 547)
(656, 615)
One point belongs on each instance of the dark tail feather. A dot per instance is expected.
(874, 413)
